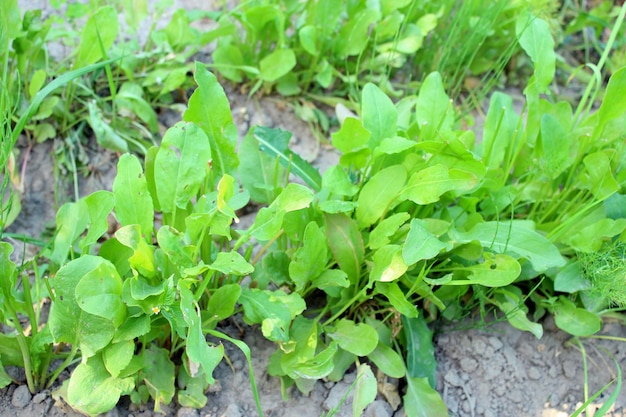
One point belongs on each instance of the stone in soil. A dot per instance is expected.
(21, 397)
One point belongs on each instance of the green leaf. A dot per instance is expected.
(360, 339)
(496, 271)
(68, 322)
(117, 356)
(536, 39)
(180, 165)
(231, 263)
(434, 111)
(10, 24)
(352, 135)
(99, 205)
(352, 37)
(336, 181)
(381, 234)
(71, 220)
(380, 116)
(130, 97)
(92, 390)
(142, 259)
(613, 103)
(378, 194)
(293, 197)
(555, 144)
(397, 298)
(8, 276)
(132, 328)
(172, 242)
(265, 308)
(511, 301)
(388, 264)
(274, 142)
(197, 349)
(429, 184)
(191, 389)
(420, 360)
(365, 389)
(346, 244)
(133, 204)
(222, 302)
(99, 33)
(570, 279)
(307, 35)
(229, 62)
(421, 400)
(209, 109)
(500, 129)
(600, 175)
(179, 32)
(420, 243)
(277, 64)
(99, 292)
(317, 367)
(517, 238)
(258, 172)
(388, 361)
(574, 320)
(158, 373)
(309, 261)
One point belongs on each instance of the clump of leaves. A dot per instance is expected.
(139, 310)
(606, 272)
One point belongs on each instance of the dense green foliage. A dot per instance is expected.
(420, 219)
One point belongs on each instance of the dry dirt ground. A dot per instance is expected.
(492, 371)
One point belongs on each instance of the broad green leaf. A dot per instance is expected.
(421, 400)
(274, 142)
(197, 348)
(555, 144)
(352, 135)
(613, 103)
(231, 263)
(388, 264)
(397, 298)
(228, 61)
(99, 33)
(496, 271)
(191, 389)
(591, 238)
(293, 197)
(380, 116)
(179, 33)
(420, 243)
(351, 39)
(209, 109)
(92, 390)
(262, 307)
(378, 194)
(132, 328)
(172, 242)
(536, 39)
(222, 302)
(99, 205)
(382, 233)
(570, 279)
(429, 184)
(10, 24)
(365, 389)
(133, 204)
(267, 223)
(142, 259)
(117, 356)
(180, 165)
(309, 261)
(258, 172)
(500, 130)
(131, 98)
(434, 111)
(71, 220)
(99, 292)
(8, 276)
(277, 64)
(158, 373)
(511, 301)
(394, 145)
(601, 182)
(318, 367)
(307, 35)
(346, 244)
(420, 360)
(336, 181)
(575, 320)
(5, 379)
(68, 322)
(331, 281)
(388, 361)
(517, 238)
(360, 339)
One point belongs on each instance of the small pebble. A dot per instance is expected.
(534, 373)
(114, 412)
(187, 412)
(232, 410)
(378, 408)
(39, 398)
(469, 365)
(21, 397)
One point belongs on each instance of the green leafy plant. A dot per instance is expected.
(139, 311)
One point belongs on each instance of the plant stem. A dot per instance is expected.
(61, 367)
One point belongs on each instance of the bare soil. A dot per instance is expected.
(490, 371)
